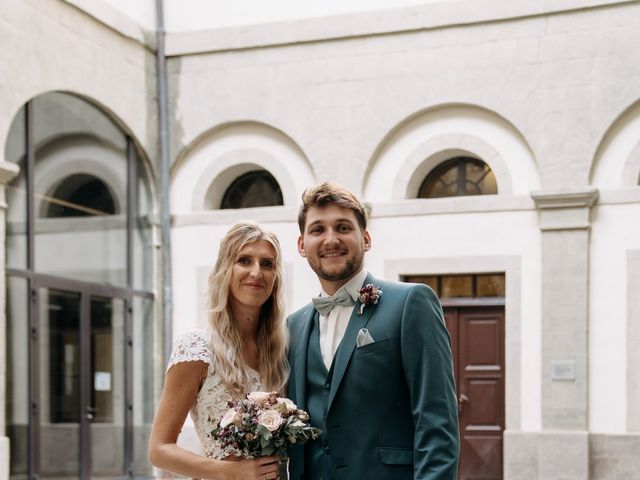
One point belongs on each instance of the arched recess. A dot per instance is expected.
(66, 157)
(206, 168)
(72, 146)
(424, 140)
(616, 162)
(97, 272)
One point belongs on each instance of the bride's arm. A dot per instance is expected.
(178, 395)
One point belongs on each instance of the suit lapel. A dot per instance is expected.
(348, 343)
(300, 358)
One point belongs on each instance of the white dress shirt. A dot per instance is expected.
(333, 326)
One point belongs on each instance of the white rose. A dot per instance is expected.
(291, 407)
(297, 423)
(259, 397)
(271, 419)
(230, 416)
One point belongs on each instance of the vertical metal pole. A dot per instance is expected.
(132, 209)
(86, 404)
(34, 364)
(164, 180)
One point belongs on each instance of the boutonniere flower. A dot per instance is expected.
(369, 294)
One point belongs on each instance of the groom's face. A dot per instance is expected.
(333, 244)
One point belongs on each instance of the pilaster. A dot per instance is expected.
(564, 222)
(565, 227)
(7, 172)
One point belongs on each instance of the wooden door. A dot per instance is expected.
(477, 337)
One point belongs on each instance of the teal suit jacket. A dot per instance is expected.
(392, 405)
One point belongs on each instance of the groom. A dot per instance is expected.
(371, 365)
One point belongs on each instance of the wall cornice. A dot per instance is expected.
(566, 198)
(567, 209)
(369, 23)
(116, 21)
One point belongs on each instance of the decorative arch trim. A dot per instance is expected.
(213, 162)
(219, 175)
(616, 163)
(423, 140)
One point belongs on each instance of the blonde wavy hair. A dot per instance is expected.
(225, 339)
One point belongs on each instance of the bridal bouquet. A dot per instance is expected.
(263, 424)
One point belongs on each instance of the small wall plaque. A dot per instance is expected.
(563, 370)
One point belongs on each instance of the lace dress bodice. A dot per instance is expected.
(213, 396)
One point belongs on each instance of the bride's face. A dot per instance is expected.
(253, 275)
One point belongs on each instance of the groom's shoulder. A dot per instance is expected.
(405, 288)
(299, 314)
(394, 286)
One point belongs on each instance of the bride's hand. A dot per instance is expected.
(263, 468)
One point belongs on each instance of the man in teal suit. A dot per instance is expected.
(370, 359)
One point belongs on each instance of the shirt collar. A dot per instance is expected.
(352, 286)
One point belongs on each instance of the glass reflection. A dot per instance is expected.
(16, 152)
(17, 400)
(253, 189)
(107, 381)
(459, 177)
(59, 314)
(79, 178)
(143, 230)
(456, 286)
(143, 383)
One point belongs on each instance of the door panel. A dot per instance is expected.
(81, 392)
(478, 349)
(106, 411)
(60, 389)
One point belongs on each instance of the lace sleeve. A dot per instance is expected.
(191, 346)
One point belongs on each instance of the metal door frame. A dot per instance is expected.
(86, 291)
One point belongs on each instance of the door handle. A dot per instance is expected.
(90, 413)
(462, 399)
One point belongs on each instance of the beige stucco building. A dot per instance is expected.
(538, 276)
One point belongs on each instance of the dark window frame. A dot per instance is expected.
(239, 186)
(473, 300)
(460, 163)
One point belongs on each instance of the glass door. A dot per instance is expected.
(82, 388)
(59, 362)
(105, 407)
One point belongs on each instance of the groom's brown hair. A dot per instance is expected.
(329, 193)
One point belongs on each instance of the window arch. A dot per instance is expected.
(459, 176)
(80, 250)
(257, 188)
(80, 195)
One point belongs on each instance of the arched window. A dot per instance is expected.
(253, 189)
(458, 177)
(80, 195)
(81, 274)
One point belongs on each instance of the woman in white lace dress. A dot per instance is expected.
(243, 350)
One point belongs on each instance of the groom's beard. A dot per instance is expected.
(345, 273)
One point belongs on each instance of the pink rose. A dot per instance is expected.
(291, 407)
(259, 397)
(271, 419)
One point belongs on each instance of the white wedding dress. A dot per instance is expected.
(211, 402)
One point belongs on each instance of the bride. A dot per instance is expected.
(243, 350)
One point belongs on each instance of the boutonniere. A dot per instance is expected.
(369, 294)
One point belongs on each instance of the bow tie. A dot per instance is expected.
(324, 305)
